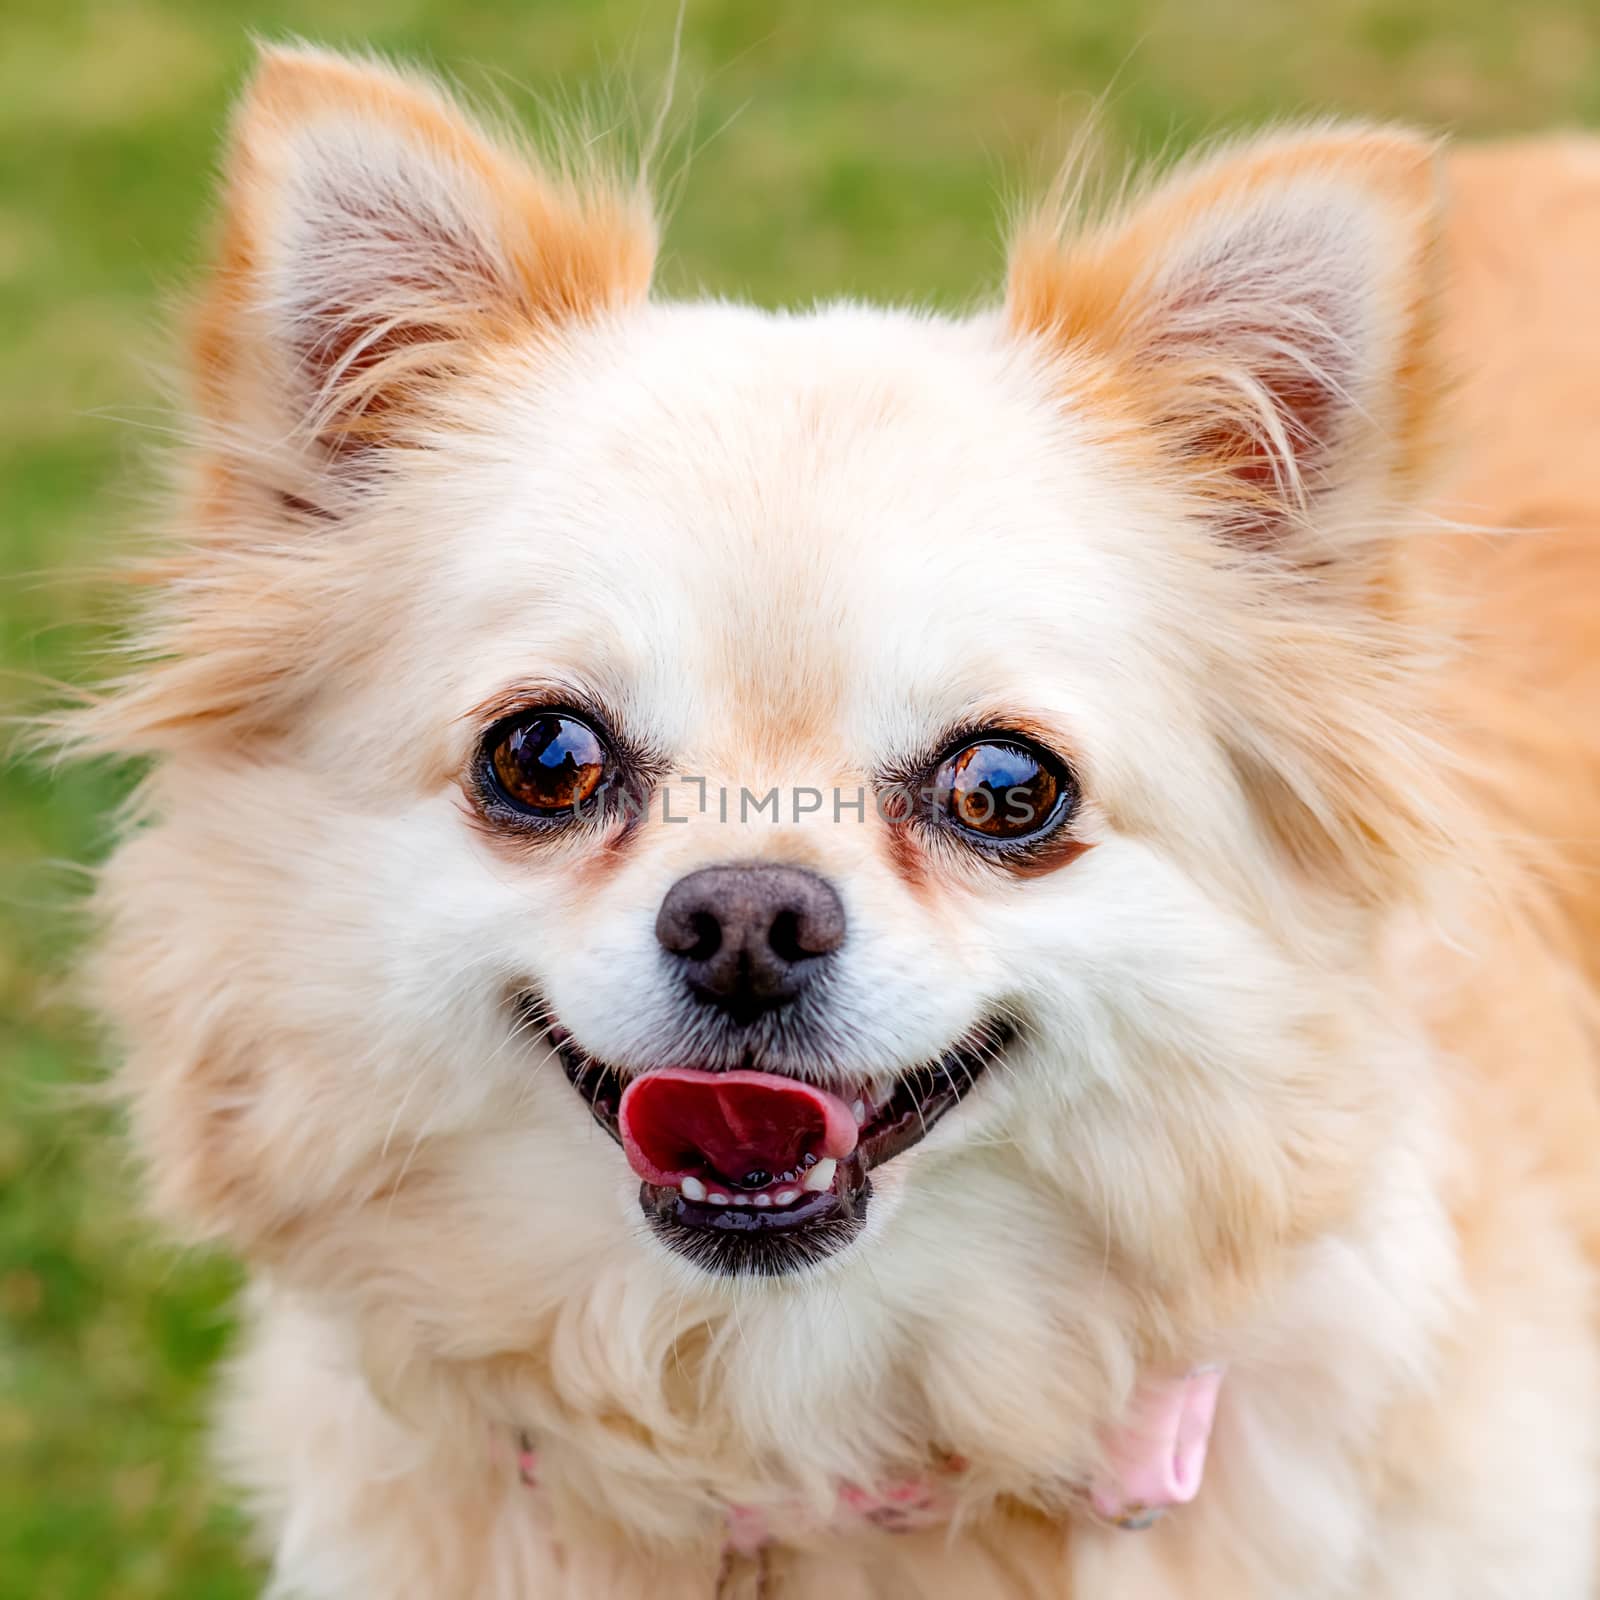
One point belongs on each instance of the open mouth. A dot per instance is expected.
(758, 1172)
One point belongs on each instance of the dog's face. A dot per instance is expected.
(773, 683)
(881, 803)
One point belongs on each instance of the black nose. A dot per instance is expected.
(750, 938)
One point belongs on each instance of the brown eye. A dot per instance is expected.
(999, 789)
(546, 762)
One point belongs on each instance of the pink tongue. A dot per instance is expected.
(734, 1125)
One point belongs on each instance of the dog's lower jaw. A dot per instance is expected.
(737, 1241)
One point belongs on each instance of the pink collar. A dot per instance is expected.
(1156, 1457)
(1154, 1460)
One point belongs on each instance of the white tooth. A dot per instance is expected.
(859, 1112)
(820, 1177)
(717, 1198)
(692, 1189)
(784, 1196)
(763, 1199)
(741, 1199)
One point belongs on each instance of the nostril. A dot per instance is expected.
(784, 937)
(706, 933)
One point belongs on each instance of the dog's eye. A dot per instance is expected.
(546, 762)
(1000, 789)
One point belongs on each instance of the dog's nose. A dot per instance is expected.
(750, 937)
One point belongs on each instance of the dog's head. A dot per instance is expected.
(894, 805)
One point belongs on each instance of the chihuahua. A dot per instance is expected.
(859, 954)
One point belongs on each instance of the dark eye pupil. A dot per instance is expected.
(998, 790)
(549, 762)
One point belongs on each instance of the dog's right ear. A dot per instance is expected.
(375, 245)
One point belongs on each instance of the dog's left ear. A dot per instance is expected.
(1259, 331)
(1265, 316)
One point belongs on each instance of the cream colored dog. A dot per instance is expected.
(860, 955)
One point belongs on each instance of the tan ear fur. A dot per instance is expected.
(1268, 311)
(374, 240)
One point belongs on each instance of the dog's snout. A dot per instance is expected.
(750, 937)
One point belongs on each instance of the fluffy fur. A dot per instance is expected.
(1306, 1076)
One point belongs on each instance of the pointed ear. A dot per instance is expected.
(1267, 312)
(376, 243)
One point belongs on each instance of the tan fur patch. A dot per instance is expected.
(1087, 290)
(566, 246)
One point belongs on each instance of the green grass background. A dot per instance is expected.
(858, 148)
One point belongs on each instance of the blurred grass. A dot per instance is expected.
(857, 149)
